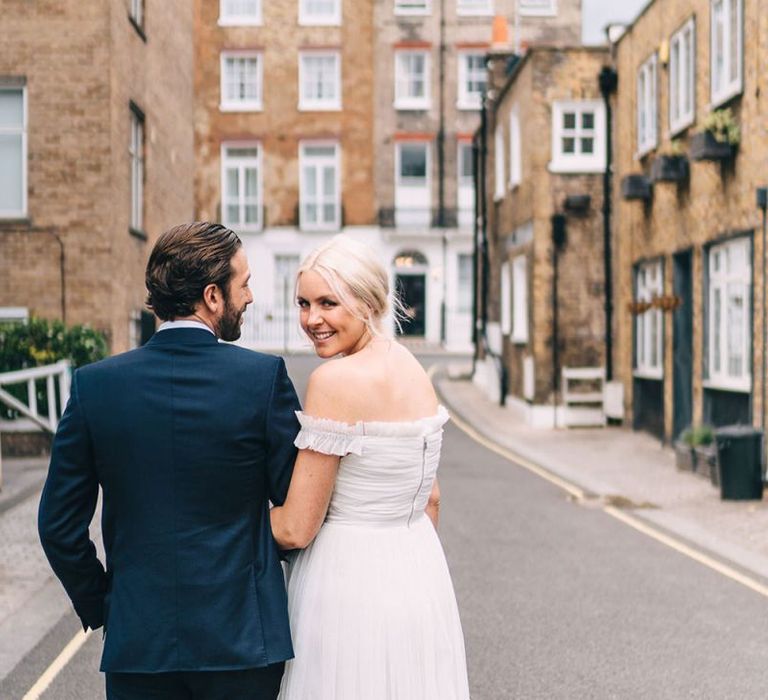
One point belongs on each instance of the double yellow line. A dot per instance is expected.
(622, 515)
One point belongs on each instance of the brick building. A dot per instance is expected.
(362, 112)
(690, 260)
(430, 77)
(96, 155)
(284, 137)
(542, 288)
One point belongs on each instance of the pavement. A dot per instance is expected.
(617, 466)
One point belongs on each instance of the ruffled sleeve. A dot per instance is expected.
(327, 436)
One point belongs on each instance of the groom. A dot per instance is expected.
(188, 439)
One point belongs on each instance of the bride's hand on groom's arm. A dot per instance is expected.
(297, 521)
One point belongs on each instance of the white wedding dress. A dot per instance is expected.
(372, 608)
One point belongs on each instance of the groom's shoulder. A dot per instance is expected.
(250, 358)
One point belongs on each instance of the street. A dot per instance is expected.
(557, 598)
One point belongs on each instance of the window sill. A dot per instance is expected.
(413, 106)
(538, 13)
(236, 22)
(724, 385)
(15, 221)
(413, 13)
(518, 340)
(469, 105)
(139, 29)
(681, 126)
(577, 168)
(645, 150)
(718, 101)
(325, 228)
(244, 228)
(336, 107)
(138, 233)
(474, 13)
(655, 375)
(241, 108)
(319, 22)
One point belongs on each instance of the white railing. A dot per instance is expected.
(56, 378)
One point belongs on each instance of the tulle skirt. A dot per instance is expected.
(374, 617)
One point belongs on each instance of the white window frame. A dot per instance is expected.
(731, 86)
(520, 300)
(239, 20)
(682, 77)
(515, 149)
(474, 8)
(18, 131)
(332, 19)
(320, 105)
(578, 162)
(405, 101)
(408, 192)
(319, 162)
(649, 325)
(419, 8)
(499, 166)
(537, 8)
(252, 105)
(506, 298)
(466, 99)
(14, 314)
(721, 278)
(242, 163)
(136, 152)
(647, 119)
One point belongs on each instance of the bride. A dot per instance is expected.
(372, 608)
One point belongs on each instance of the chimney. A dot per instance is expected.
(500, 37)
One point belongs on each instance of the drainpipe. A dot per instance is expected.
(441, 124)
(608, 80)
(475, 239)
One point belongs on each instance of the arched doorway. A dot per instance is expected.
(411, 286)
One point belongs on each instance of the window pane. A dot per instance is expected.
(233, 183)
(716, 330)
(251, 214)
(310, 184)
(588, 146)
(465, 166)
(242, 152)
(251, 182)
(733, 41)
(464, 292)
(310, 213)
(735, 326)
(329, 213)
(11, 163)
(319, 151)
(588, 120)
(569, 145)
(329, 181)
(413, 161)
(569, 120)
(11, 109)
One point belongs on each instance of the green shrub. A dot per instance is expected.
(38, 342)
(700, 435)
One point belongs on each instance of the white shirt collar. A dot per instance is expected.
(167, 325)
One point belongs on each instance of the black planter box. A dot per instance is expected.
(669, 169)
(704, 146)
(636, 187)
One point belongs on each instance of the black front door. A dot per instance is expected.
(682, 345)
(412, 291)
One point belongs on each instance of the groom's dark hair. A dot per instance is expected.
(184, 261)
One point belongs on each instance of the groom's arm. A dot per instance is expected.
(281, 429)
(66, 510)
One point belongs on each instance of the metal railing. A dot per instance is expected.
(42, 406)
(268, 328)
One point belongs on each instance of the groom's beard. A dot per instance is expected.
(228, 327)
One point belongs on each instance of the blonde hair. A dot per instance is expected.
(355, 274)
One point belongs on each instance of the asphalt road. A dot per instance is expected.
(558, 599)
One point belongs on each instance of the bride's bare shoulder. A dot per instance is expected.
(332, 389)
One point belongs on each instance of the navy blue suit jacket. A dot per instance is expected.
(189, 439)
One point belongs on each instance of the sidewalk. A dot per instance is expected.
(620, 466)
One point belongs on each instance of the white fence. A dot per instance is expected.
(57, 381)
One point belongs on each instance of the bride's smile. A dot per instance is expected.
(327, 321)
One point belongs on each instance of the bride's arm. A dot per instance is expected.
(433, 504)
(297, 521)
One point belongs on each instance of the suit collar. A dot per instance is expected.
(183, 336)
